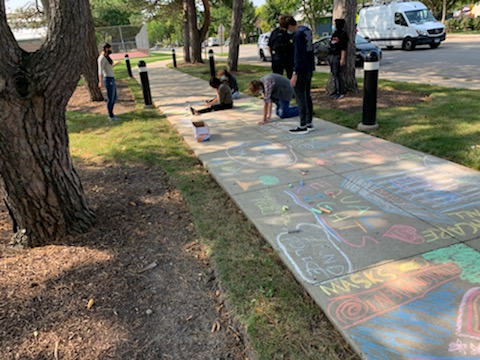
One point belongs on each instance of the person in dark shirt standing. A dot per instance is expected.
(273, 44)
(303, 67)
(338, 56)
(280, 44)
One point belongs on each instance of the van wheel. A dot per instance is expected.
(408, 44)
(434, 45)
(262, 56)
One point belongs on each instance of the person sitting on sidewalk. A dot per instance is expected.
(222, 101)
(225, 75)
(276, 89)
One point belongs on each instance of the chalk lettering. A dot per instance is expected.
(314, 254)
(353, 309)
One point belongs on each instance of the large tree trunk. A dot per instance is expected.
(346, 9)
(234, 47)
(197, 35)
(186, 33)
(38, 181)
(90, 68)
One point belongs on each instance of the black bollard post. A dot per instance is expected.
(174, 58)
(147, 96)
(212, 63)
(371, 66)
(129, 68)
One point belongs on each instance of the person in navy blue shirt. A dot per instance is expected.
(303, 67)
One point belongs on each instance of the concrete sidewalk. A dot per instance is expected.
(385, 239)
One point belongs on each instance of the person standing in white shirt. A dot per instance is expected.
(106, 77)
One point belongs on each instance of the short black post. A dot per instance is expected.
(174, 58)
(371, 66)
(129, 68)
(147, 96)
(212, 63)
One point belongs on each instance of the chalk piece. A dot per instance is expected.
(294, 231)
(290, 185)
(325, 210)
(285, 208)
(302, 183)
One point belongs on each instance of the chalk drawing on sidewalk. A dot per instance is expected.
(313, 253)
(353, 309)
(262, 154)
(405, 233)
(267, 180)
(428, 193)
(468, 324)
(425, 307)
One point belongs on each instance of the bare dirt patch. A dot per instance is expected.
(137, 286)
(353, 103)
(80, 101)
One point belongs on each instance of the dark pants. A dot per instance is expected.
(304, 99)
(111, 88)
(280, 63)
(216, 107)
(335, 68)
(284, 110)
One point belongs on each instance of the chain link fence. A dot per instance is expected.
(123, 38)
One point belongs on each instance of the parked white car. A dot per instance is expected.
(213, 41)
(263, 49)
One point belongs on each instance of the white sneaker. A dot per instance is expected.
(310, 128)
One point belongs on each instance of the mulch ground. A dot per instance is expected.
(138, 285)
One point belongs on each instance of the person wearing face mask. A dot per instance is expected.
(275, 89)
(222, 101)
(106, 77)
(337, 57)
(303, 67)
(225, 75)
(280, 44)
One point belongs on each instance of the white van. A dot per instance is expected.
(400, 24)
(263, 49)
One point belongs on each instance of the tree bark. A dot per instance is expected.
(346, 9)
(234, 46)
(197, 35)
(90, 68)
(38, 180)
(186, 33)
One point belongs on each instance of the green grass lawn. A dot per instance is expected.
(446, 125)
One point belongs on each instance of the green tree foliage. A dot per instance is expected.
(312, 10)
(221, 13)
(436, 6)
(114, 12)
(164, 33)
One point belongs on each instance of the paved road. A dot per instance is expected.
(454, 64)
